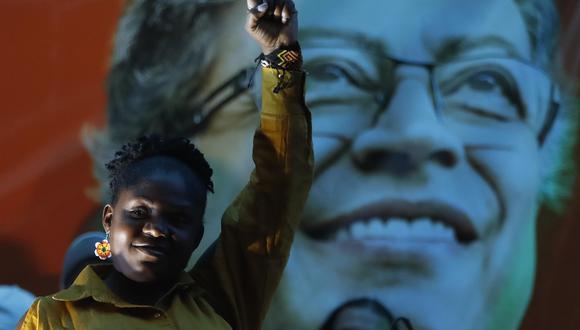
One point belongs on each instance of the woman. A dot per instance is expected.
(154, 221)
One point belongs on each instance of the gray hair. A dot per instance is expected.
(162, 49)
(543, 24)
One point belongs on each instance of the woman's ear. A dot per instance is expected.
(107, 217)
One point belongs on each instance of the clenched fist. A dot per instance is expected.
(272, 23)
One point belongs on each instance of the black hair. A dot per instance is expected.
(178, 148)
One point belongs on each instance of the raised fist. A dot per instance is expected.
(272, 23)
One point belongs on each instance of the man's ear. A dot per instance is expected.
(107, 217)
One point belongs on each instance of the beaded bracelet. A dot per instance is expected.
(283, 59)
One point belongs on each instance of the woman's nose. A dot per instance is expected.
(156, 228)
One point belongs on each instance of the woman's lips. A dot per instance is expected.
(428, 221)
(157, 251)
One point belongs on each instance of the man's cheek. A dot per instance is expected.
(512, 272)
(510, 259)
(514, 171)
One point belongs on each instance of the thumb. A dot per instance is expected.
(255, 13)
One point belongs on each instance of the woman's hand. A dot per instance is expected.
(272, 23)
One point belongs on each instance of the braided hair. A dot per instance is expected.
(178, 148)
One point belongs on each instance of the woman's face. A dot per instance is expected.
(156, 224)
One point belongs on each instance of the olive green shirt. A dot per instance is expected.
(232, 285)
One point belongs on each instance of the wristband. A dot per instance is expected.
(285, 58)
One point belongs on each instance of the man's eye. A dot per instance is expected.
(485, 91)
(328, 72)
(488, 82)
(345, 75)
(484, 81)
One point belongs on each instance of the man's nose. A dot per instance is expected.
(156, 227)
(408, 135)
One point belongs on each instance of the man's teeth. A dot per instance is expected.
(396, 228)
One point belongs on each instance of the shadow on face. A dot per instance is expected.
(156, 221)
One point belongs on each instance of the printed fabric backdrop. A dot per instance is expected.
(55, 56)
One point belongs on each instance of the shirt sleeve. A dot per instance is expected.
(241, 271)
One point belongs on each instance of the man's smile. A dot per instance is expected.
(428, 221)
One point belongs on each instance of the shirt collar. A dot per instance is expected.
(89, 283)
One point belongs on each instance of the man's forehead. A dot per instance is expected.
(420, 29)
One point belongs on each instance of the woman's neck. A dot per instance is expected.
(136, 292)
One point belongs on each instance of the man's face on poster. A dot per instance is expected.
(427, 127)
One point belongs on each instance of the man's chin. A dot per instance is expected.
(426, 281)
(426, 310)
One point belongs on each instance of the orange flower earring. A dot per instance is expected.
(103, 248)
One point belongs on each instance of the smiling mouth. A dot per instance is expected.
(425, 221)
(153, 250)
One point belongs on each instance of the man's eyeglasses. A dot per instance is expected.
(478, 95)
(219, 98)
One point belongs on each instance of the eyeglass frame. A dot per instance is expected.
(242, 81)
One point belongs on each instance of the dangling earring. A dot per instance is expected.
(103, 248)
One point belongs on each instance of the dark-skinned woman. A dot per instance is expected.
(154, 220)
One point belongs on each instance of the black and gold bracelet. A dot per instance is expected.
(284, 58)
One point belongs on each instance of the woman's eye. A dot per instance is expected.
(180, 219)
(138, 213)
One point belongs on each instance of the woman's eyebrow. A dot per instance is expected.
(177, 207)
(139, 201)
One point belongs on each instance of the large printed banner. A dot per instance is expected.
(444, 134)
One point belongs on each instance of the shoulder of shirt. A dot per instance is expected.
(88, 283)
